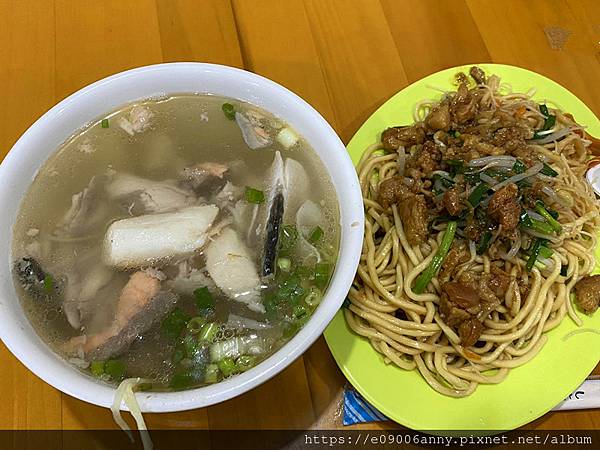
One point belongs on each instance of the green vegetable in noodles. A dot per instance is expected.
(204, 299)
(425, 277)
(174, 323)
(254, 195)
(228, 110)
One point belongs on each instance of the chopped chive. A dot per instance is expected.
(211, 375)
(204, 299)
(438, 259)
(254, 195)
(484, 243)
(314, 296)
(97, 368)
(533, 255)
(548, 171)
(104, 123)
(322, 272)
(48, 284)
(284, 264)
(287, 238)
(315, 235)
(227, 366)
(519, 166)
(477, 194)
(299, 311)
(181, 380)
(208, 332)
(541, 209)
(178, 355)
(195, 324)
(115, 369)
(228, 110)
(546, 252)
(174, 323)
(245, 362)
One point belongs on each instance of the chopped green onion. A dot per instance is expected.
(228, 110)
(284, 264)
(548, 171)
(549, 122)
(254, 195)
(227, 366)
(299, 311)
(104, 123)
(48, 284)
(477, 194)
(535, 251)
(425, 277)
(97, 368)
(190, 345)
(195, 324)
(208, 332)
(174, 323)
(178, 355)
(245, 362)
(519, 166)
(314, 296)
(457, 134)
(211, 375)
(291, 290)
(182, 380)
(322, 272)
(204, 299)
(484, 243)
(534, 224)
(540, 208)
(546, 252)
(287, 238)
(456, 166)
(315, 235)
(115, 369)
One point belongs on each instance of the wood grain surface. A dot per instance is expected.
(345, 57)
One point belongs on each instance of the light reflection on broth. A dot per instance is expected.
(157, 243)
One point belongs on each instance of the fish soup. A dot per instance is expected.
(181, 240)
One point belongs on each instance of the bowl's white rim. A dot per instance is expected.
(70, 381)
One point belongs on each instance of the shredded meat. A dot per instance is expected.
(426, 160)
(439, 118)
(392, 190)
(463, 106)
(469, 331)
(452, 202)
(504, 207)
(477, 74)
(456, 256)
(414, 216)
(394, 137)
(587, 294)
(498, 280)
(458, 303)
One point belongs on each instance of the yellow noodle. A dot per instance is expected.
(406, 327)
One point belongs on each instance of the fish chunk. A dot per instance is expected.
(231, 267)
(86, 211)
(137, 120)
(140, 304)
(80, 292)
(144, 240)
(149, 196)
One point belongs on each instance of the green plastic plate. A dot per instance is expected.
(529, 391)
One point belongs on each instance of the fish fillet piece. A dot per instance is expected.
(231, 267)
(143, 240)
(141, 303)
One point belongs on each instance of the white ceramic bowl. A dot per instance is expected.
(47, 133)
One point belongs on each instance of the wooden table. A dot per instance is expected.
(344, 57)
